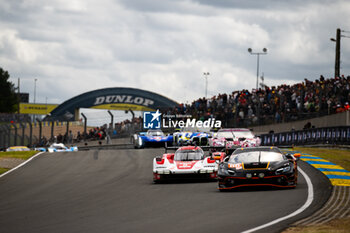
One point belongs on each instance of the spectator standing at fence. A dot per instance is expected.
(59, 138)
(79, 137)
(70, 137)
(108, 138)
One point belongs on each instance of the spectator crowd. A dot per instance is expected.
(266, 105)
(97, 133)
(273, 104)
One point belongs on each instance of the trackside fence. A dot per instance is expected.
(37, 133)
(328, 135)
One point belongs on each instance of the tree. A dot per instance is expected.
(8, 98)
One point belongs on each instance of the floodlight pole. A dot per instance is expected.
(337, 54)
(85, 124)
(112, 118)
(257, 63)
(206, 82)
(337, 51)
(35, 89)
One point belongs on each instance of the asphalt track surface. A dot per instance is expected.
(112, 191)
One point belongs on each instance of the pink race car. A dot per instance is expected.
(230, 139)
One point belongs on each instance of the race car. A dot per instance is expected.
(41, 149)
(17, 148)
(186, 162)
(190, 136)
(60, 147)
(233, 138)
(258, 166)
(153, 137)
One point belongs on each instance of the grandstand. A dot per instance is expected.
(269, 105)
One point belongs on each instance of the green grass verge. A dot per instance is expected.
(3, 170)
(337, 156)
(334, 226)
(18, 154)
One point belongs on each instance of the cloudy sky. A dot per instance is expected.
(164, 46)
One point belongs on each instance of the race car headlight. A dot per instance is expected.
(222, 167)
(249, 175)
(206, 171)
(223, 171)
(283, 170)
(163, 172)
(231, 172)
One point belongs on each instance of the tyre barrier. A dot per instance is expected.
(328, 135)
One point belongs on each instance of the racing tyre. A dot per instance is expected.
(224, 190)
(137, 143)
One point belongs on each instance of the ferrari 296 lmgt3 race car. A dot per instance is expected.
(258, 166)
(186, 162)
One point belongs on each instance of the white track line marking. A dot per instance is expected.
(346, 205)
(22, 164)
(329, 211)
(308, 202)
(319, 212)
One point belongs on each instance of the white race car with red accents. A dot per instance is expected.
(186, 162)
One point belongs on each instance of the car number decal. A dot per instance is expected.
(235, 165)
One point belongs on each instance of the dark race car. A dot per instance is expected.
(258, 166)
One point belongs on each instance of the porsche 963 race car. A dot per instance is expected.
(186, 162)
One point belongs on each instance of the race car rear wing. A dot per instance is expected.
(205, 148)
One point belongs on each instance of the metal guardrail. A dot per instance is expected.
(39, 133)
(107, 147)
(315, 136)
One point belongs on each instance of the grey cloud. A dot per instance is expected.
(164, 46)
(153, 5)
(257, 4)
(182, 6)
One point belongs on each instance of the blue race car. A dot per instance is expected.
(190, 136)
(151, 138)
(60, 147)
